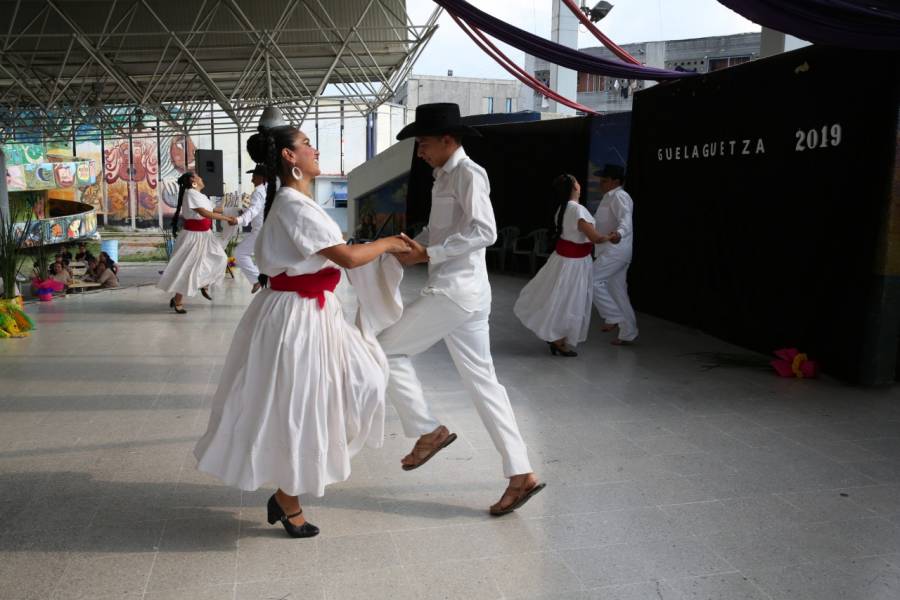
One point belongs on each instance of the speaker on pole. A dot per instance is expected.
(209, 167)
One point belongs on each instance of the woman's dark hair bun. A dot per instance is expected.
(257, 146)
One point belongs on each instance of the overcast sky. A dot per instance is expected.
(629, 21)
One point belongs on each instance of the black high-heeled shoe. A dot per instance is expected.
(554, 350)
(177, 308)
(297, 531)
(205, 293)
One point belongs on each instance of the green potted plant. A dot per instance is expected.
(13, 320)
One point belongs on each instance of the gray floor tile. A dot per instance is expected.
(352, 553)
(726, 586)
(215, 592)
(118, 575)
(383, 584)
(649, 590)
(269, 554)
(532, 574)
(619, 564)
(470, 579)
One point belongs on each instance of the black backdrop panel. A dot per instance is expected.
(521, 160)
(758, 195)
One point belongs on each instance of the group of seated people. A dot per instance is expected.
(102, 269)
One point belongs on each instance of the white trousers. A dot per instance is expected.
(243, 255)
(610, 294)
(426, 321)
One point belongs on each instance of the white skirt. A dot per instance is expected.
(301, 392)
(198, 261)
(556, 304)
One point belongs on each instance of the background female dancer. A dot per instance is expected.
(198, 260)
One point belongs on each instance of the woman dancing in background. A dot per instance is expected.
(556, 304)
(198, 260)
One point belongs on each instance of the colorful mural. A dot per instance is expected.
(57, 230)
(49, 175)
(154, 188)
(155, 184)
(92, 194)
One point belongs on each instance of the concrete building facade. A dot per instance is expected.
(475, 96)
(609, 94)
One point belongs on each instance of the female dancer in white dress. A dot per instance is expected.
(556, 304)
(199, 260)
(301, 390)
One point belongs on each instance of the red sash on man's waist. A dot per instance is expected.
(313, 285)
(198, 224)
(573, 250)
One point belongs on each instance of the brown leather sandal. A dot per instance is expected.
(429, 449)
(521, 496)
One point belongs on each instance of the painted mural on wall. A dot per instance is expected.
(67, 228)
(30, 167)
(155, 184)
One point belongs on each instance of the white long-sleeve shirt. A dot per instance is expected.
(461, 225)
(253, 214)
(614, 214)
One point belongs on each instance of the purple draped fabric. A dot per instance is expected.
(866, 24)
(551, 51)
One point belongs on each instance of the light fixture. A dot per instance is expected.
(271, 117)
(600, 10)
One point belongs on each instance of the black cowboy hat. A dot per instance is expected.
(612, 171)
(258, 170)
(437, 119)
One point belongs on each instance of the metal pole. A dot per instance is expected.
(342, 137)
(159, 188)
(104, 202)
(132, 191)
(317, 122)
(74, 144)
(240, 168)
(212, 127)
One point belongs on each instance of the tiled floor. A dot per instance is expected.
(666, 479)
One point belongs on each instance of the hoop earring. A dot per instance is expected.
(296, 173)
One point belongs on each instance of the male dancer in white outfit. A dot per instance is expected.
(252, 216)
(611, 266)
(454, 305)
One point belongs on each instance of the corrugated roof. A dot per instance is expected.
(173, 57)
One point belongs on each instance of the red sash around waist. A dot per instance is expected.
(198, 224)
(313, 285)
(573, 250)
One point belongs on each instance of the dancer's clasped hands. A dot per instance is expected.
(396, 244)
(417, 253)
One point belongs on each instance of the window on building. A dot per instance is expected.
(509, 105)
(487, 105)
(716, 64)
(589, 82)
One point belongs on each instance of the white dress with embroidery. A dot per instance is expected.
(556, 303)
(198, 259)
(302, 390)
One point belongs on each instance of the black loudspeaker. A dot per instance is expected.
(209, 167)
